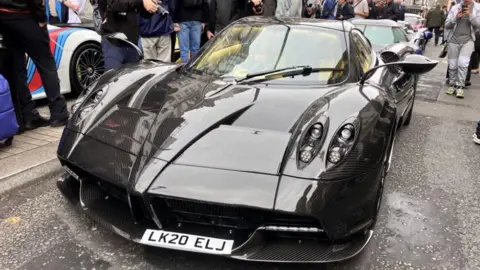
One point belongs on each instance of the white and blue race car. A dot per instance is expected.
(78, 55)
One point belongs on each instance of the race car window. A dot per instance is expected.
(363, 52)
(243, 49)
(384, 35)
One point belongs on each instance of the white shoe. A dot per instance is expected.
(476, 139)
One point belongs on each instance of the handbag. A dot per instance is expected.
(443, 52)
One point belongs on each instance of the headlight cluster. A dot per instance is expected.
(311, 143)
(341, 143)
(85, 104)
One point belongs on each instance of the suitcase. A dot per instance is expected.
(8, 118)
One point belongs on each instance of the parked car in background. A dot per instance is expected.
(382, 33)
(79, 58)
(415, 20)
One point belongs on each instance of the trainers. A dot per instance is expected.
(476, 139)
(459, 93)
(450, 90)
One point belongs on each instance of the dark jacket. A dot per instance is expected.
(121, 16)
(390, 12)
(158, 24)
(35, 7)
(191, 10)
(269, 7)
(401, 13)
(346, 11)
(372, 11)
(223, 12)
(435, 18)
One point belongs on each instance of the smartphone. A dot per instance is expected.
(464, 8)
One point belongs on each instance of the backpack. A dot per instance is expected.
(192, 3)
(8, 118)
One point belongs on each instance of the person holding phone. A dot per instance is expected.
(463, 20)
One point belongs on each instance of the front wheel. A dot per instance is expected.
(86, 66)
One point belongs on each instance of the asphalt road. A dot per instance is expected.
(429, 217)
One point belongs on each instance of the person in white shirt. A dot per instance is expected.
(361, 9)
(75, 7)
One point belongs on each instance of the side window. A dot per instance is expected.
(399, 35)
(363, 51)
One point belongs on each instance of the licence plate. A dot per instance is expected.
(187, 242)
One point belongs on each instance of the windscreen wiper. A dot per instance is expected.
(286, 72)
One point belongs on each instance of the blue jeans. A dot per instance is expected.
(116, 56)
(189, 39)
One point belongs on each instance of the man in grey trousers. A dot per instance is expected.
(460, 23)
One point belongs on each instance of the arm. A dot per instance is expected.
(364, 11)
(37, 8)
(212, 19)
(205, 12)
(451, 18)
(475, 16)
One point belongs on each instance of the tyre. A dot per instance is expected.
(86, 66)
(410, 112)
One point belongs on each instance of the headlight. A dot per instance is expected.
(311, 142)
(87, 103)
(341, 143)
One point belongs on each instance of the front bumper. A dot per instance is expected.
(265, 244)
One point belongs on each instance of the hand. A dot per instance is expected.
(42, 24)
(340, 17)
(256, 2)
(150, 6)
(459, 14)
(176, 27)
(468, 12)
(210, 35)
(203, 27)
(75, 7)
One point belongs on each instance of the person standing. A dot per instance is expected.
(344, 10)
(390, 11)
(190, 19)
(435, 19)
(52, 9)
(222, 13)
(155, 33)
(75, 8)
(327, 9)
(24, 25)
(289, 8)
(361, 9)
(462, 20)
(121, 16)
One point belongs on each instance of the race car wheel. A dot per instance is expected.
(86, 66)
(387, 160)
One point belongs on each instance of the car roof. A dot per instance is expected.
(389, 23)
(329, 24)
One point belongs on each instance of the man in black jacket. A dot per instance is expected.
(222, 13)
(390, 11)
(190, 19)
(344, 10)
(121, 16)
(24, 25)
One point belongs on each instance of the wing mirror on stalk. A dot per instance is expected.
(117, 37)
(414, 64)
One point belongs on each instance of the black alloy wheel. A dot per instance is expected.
(86, 66)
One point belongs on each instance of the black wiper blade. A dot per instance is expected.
(266, 72)
(287, 72)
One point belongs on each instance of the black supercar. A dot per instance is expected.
(271, 144)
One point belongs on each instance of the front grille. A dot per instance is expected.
(224, 216)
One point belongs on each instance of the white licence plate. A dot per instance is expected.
(71, 172)
(188, 242)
